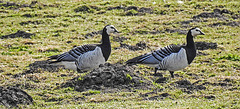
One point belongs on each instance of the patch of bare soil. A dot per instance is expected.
(13, 5)
(92, 34)
(224, 83)
(139, 46)
(86, 9)
(154, 96)
(161, 79)
(232, 24)
(119, 39)
(217, 13)
(137, 10)
(19, 33)
(228, 84)
(108, 78)
(39, 66)
(45, 66)
(31, 22)
(222, 15)
(11, 97)
(179, 31)
(187, 86)
(205, 45)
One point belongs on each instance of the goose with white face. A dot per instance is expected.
(89, 56)
(111, 29)
(196, 31)
(172, 57)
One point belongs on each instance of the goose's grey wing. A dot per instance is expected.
(156, 56)
(74, 53)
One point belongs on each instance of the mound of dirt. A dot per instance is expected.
(19, 33)
(179, 31)
(137, 10)
(11, 97)
(92, 34)
(33, 4)
(37, 22)
(109, 76)
(13, 5)
(187, 86)
(39, 66)
(119, 39)
(217, 13)
(233, 24)
(161, 80)
(156, 97)
(205, 45)
(45, 66)
(86, 9)
(139, 46)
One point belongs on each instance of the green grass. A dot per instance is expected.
(57, 22)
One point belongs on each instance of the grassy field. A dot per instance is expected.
(60, 25)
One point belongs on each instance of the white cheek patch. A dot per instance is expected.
(194, 33)
(109, 29)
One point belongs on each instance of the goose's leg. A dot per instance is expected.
(171, 72)
(157, 74)
(155, 71)
(79, 71)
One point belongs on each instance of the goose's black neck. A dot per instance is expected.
(190, 48)
(105, 37)
(190, 42)
(105, 45)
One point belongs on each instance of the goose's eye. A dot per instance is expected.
(112, 28)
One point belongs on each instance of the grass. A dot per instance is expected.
(57, 22)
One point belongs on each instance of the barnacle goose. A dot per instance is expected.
(86, 57)
(171, 57)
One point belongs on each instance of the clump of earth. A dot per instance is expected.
(109, 77)
(19, 33)
(217, 13)
(92, 34)
(13, 5)
(205, 45)
(39, 66)
(187, 86)
(11, 97)
(139, 46)
(133, 10)
(45, 66)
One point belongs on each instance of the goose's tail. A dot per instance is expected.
(134, 61)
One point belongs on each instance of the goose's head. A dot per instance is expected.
(196, 31)
(110, 29)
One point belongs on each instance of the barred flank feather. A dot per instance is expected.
(172, 57)
(90, 60)
(87, 57)
(155, 57)
(175, 61)
(74, 53)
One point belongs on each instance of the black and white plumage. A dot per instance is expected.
(171, 57)
(90, 60)
(89, 56)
